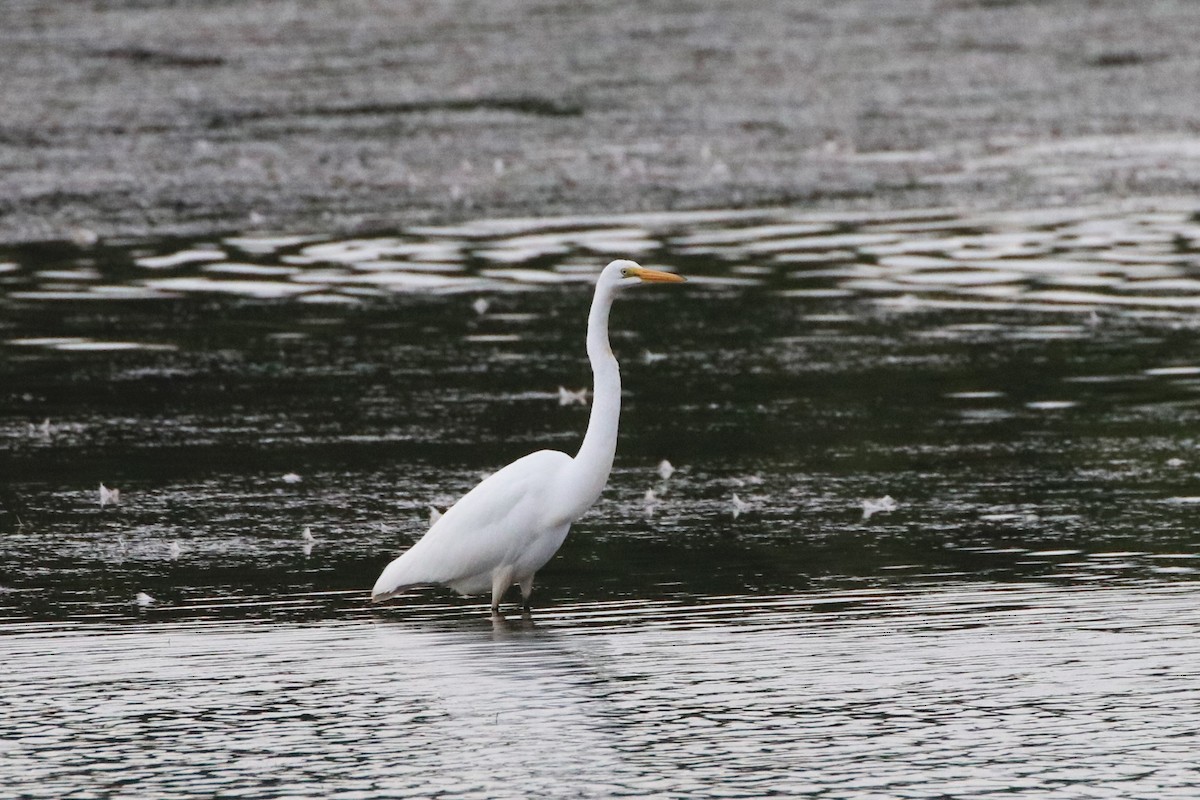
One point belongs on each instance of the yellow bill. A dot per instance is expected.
(657, 276)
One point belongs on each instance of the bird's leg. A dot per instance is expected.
(526, 591)
(501, 580)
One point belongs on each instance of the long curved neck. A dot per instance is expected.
(595, 458)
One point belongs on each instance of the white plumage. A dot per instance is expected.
(506, 528)
(518, 498)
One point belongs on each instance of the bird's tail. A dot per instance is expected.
(394, 580)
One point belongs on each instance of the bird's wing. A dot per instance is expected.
(486, 528)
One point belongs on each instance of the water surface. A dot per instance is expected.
(1019, 619)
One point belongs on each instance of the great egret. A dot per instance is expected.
(507, 527)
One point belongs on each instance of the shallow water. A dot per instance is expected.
(1020, 621)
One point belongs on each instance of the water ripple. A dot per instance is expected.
(1004, 691)
(1048, 259)
(1016, 620)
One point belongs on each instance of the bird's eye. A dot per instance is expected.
(624, 273)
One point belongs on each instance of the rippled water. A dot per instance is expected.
(1018, 620)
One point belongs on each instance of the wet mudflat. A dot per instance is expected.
(930, 528)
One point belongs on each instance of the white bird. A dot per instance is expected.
(434, 515)
(143, 600)
(665, 469)
(567, 397)
(480, 306)
(291, 477)
(506, 528)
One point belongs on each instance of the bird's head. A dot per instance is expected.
(622, 274)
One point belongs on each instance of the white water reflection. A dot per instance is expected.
(82, 344)
(1050, 260)
(179, 258)
(1019, 691)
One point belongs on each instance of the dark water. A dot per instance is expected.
(1020, 620)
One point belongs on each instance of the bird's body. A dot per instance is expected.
(506, 528)
(476, 553)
